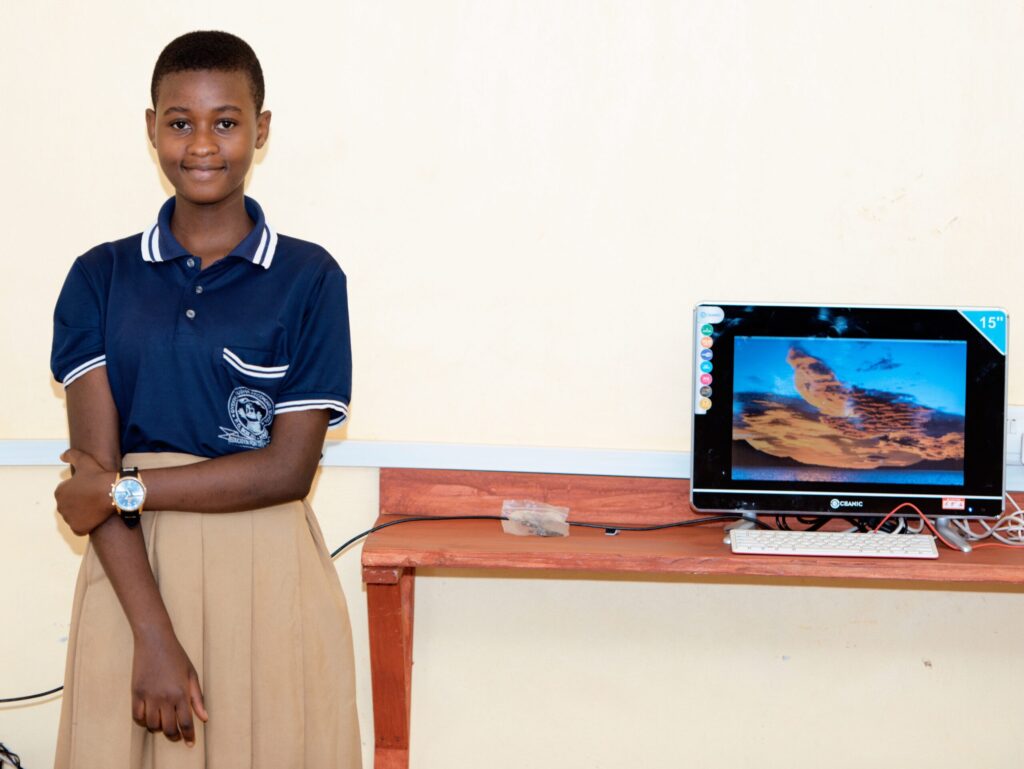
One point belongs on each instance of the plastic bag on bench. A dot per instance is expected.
(527, 518)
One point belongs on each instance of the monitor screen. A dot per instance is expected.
(848, 410)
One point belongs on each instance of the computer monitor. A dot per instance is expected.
(848, 411)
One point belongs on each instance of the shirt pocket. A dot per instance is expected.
(251, 379)
(252, 368)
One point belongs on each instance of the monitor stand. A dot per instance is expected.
(942, 525)
(747, 521)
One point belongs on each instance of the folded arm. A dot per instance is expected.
(165, 687)
(281, 472)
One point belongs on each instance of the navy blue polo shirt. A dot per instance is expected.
(200, 361)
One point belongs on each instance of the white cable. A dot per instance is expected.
(1008, 529)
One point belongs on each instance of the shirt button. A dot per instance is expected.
(190, 314)
(191, 262)
(199, 289)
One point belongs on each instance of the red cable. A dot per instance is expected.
(922, 516)
(935, 531)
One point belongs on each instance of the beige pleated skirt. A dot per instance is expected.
(257, 605)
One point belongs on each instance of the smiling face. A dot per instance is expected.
(206, 130)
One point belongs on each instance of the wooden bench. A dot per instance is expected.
(391, 556)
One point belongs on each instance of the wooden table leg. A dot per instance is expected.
(389, 598)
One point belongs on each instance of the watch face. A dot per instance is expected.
(129, 494)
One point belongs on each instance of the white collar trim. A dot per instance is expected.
(151, 244)
(263, 257)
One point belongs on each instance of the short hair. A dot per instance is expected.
(209, 50)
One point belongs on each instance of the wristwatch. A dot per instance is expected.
(128, 494)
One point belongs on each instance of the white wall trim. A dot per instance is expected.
(459, 456)
(452, 456)
(31, 453)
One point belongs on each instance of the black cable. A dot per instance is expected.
(605, 526)
(656, 526)
(611, 528)
(814, 523)
(7, 754)
(30, 696)
(413, 518)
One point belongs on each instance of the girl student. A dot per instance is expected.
(203, 362)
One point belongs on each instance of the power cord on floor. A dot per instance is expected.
(8, 755)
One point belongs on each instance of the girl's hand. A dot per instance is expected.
(165, 688)
(84, 498)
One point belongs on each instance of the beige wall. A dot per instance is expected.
(528, 198)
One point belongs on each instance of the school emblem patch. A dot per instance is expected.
(251, 412)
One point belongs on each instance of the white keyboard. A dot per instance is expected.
(828, 543)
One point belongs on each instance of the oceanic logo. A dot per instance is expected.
(835, 504)
(251, 412)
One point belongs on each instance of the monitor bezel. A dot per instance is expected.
(982, 495)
